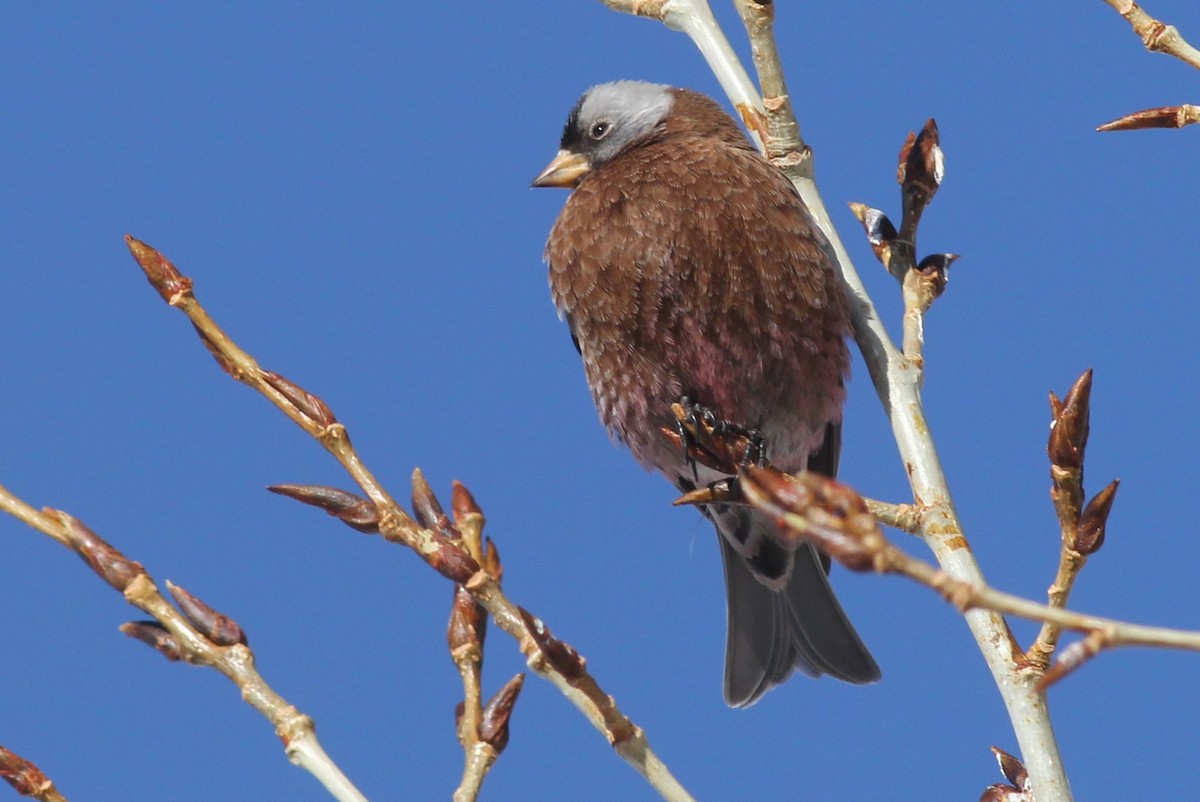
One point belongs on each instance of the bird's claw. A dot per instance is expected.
(685, 419)
(715, 442)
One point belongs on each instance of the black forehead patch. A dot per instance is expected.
(571, 135)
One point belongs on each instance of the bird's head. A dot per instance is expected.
(604, 123)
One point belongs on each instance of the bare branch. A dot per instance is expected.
(897, 381)
(1158, 37)
(197, 635)
(443, 550)
(905, 517)
(482, 730)
(834, 518)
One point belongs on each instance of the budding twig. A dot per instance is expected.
(1081, 527)
(919, 174)
(442, 547)
(1158, 37)
(811, 508)
(834, 518)
(465, 636)
(905, 517)
(194, 632)
(26, 778)
(482, 730)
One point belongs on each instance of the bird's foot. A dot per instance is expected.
(687, 418)
(755, 452)
(713, 441)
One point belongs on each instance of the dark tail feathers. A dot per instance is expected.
(772, 632)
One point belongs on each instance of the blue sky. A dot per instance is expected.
(349, 190)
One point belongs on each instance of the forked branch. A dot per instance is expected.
(441, 546)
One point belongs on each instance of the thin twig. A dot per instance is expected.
(833, 517)
(466, 649)
(547, 656)
(1158, 37)
(905, 517)
(179, 636)
(1067, 446)
(897, 380)
(480, 758)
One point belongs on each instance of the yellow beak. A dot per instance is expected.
(566, 169)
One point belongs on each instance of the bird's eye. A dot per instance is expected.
(600, 130)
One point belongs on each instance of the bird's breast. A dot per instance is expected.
(681, 277)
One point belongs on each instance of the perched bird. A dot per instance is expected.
(686, 265)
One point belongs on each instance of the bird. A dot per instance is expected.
(686, 266)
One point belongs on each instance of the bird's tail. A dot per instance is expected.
(780, 620)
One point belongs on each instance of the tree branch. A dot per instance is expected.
(545, 654)
(897, 380)
(1158, 37)
(194, 633)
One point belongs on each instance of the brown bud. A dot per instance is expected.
(462, 503)
(218, 628)
(1012, 769)
(352, 510)
(724, 491)
(468, 622)
(493, 724)
(426, 507)
(1055, 407)
(811, 508)
(154, 635)
(934, 269)
(1161, 117)
(110, 564)
(491, 561)
(560, 655)
(921, 163)
(24, 777)
(879, 230)
(919, 173)
(451, 560)
(161, 274)
(305, 402)
(1003, 793)
(1089, 535)
(459, 710)
(468, 519)
(1069, 429)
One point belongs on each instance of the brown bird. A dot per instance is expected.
(686, 266)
